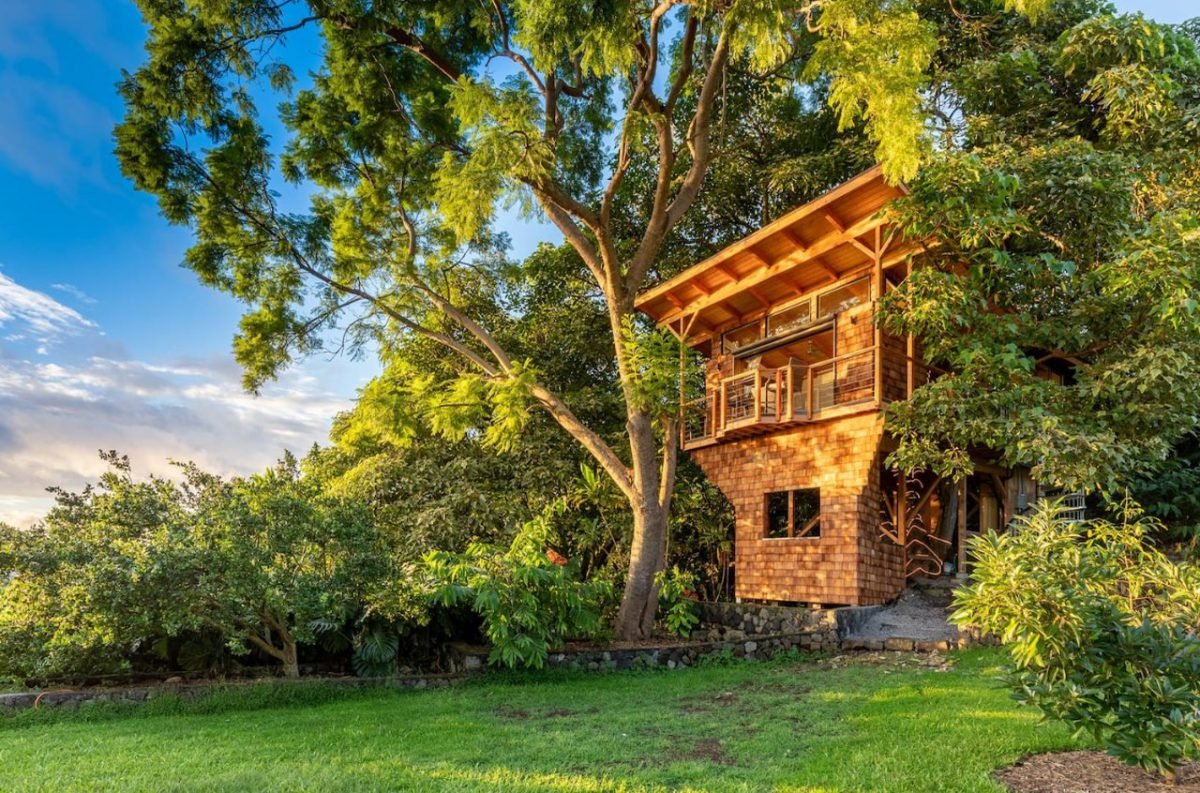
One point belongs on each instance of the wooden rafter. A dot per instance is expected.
(870, 254)
(759, 297)
(786, 221)
(794, 259)
(834, 220)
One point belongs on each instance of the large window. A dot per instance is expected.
(793, 513)
(835, 300)
(731, 340)
(789, 319)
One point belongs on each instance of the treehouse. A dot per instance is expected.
(788, 419)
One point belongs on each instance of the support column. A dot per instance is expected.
(962, 527)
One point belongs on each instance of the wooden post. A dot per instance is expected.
(878, 285)
(721, 408)
(808, 391)
(789, 381)
(962, 527)
(911, 349)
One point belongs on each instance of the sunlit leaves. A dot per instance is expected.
(877, 54)
(1100, 627)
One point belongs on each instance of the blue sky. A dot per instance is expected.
(105, 342)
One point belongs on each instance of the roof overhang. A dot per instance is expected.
(833, 236)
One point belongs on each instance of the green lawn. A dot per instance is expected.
(800, 726)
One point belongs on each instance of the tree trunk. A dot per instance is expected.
(646, 558)
(291, 667)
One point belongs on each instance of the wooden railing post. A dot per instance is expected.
(785, 414)
(808, 391)
(757, 395)
(721, 410)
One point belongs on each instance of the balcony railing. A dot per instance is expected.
(795, 392)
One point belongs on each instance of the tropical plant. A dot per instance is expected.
(529, 598)
(256, 561)
(1101, 629)
(676, 601)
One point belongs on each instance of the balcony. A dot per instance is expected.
(763, 399)
(757, 399)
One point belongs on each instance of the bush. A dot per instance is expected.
(528, 601)
(1100, 627)
(675, 601)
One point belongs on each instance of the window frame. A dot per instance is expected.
(812, 299)
(811, 530)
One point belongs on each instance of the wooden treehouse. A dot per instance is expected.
(790, 424)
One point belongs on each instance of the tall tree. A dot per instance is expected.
(1059, 285)
(420, 119)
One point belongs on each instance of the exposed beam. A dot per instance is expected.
(870, 254)
(794, 238)
(794, 259)
(873, 175)
(834, 220)
(759, 297)
(724, 270)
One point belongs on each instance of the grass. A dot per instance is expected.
(891, 725)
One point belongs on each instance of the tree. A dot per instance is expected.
(1100, 628)
(273, 557)
(421, 118)
(259, 561)
(1063, 218)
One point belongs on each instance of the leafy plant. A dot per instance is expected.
(1100, 628)
(528, 602)
(676, 602)
(376, 646)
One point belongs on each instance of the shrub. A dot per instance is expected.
(528, 601)
(1100, 627)
(675, 602)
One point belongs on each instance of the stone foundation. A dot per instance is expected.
(74, 700)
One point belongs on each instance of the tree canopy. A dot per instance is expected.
(1058, 287)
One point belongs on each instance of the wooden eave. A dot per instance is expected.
(830, 238)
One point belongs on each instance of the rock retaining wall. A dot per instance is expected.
(74, 700)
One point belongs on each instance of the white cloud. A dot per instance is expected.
(36, 312)
(60, 405)
(54, 417)
(75, 292)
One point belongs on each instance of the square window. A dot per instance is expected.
(793, 513)
(778, 517)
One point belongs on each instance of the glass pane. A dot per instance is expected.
(740, 337)
(842, 298)
(777, 514)
(789, 318)
(806, 505)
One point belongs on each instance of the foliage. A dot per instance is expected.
(1171, 491)
(676, 601)
(256, 561)
(421, 120)
(1101, 629)
(1063, 214)
(528, 601)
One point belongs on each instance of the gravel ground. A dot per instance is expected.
(916, 614)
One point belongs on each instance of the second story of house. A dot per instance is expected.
(785, 318)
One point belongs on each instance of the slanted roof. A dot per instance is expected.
(812, 246)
